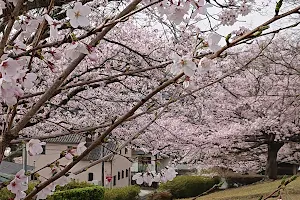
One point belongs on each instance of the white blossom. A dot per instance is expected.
(75, 49)
(54, 25)
(29, 80)
(81, 148)
(34, 147)
(138, 177)
(78, 15)
(183, 64)
(204, 64)
(213, 40)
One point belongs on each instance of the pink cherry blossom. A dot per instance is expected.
(15, 186)
(44, 193)
(69, 156)
(183, 64)
(29, 80)
(9, 68)
(138, 177)
(205, 64)
(20, 195)
(21, 176)
(54, 26)
(213, 40)
(2, 6)
(81, 148)
(56, 54)
(34, 147)
(228, 17)
(75, 49)
(18, 185)
(148, 178)
(78, 15)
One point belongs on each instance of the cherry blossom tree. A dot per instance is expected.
(247, 120)
(96, 66)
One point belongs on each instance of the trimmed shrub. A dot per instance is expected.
(87, 193)
(239, 179)
(188, 186)
(163, 195)
(125, 193)
(72, 185)
(6, 194)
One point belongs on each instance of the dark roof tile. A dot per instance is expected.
(95, 154)
(67, 139)
(12, 168)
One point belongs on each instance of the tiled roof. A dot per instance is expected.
(12, 168)
(5, 177)
(95, 154)
(67, 139)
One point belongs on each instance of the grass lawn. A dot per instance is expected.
(253, 192)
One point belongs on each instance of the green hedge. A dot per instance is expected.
(124, 193)
(72, 185)
(188, 186)
(5, 194)
(242, 179)
(87, 193)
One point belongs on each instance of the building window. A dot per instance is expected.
(122, 173)
(120, 152)
(119, 175)
(143, 163)
(126, 150)
(90, 176)
(127, 172)
(44, 149)
(115, 180)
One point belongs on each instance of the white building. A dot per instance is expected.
(147, 162)
(119, 167)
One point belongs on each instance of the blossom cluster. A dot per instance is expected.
(19, 185)
(180, 10)
(14, 79)
(34, 147)
(167, 174)
(15, 73)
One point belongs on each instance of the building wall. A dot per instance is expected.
(118, 164)
(152, 166)
(164, 162)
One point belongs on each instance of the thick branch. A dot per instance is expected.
(100, 140)
(51, 91)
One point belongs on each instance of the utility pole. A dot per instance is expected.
(102, 164)
(24, 158)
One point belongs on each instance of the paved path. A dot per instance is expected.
(144, 193)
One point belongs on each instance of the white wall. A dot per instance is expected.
(53, 151)
(119, 164)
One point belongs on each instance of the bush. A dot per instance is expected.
(6, 194)
(188, 186)
(125, 193)
(239, 179)
(73, 185)
(82, 191)
(163, 195)
(87, 193)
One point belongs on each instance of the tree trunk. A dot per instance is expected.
(271, 168)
